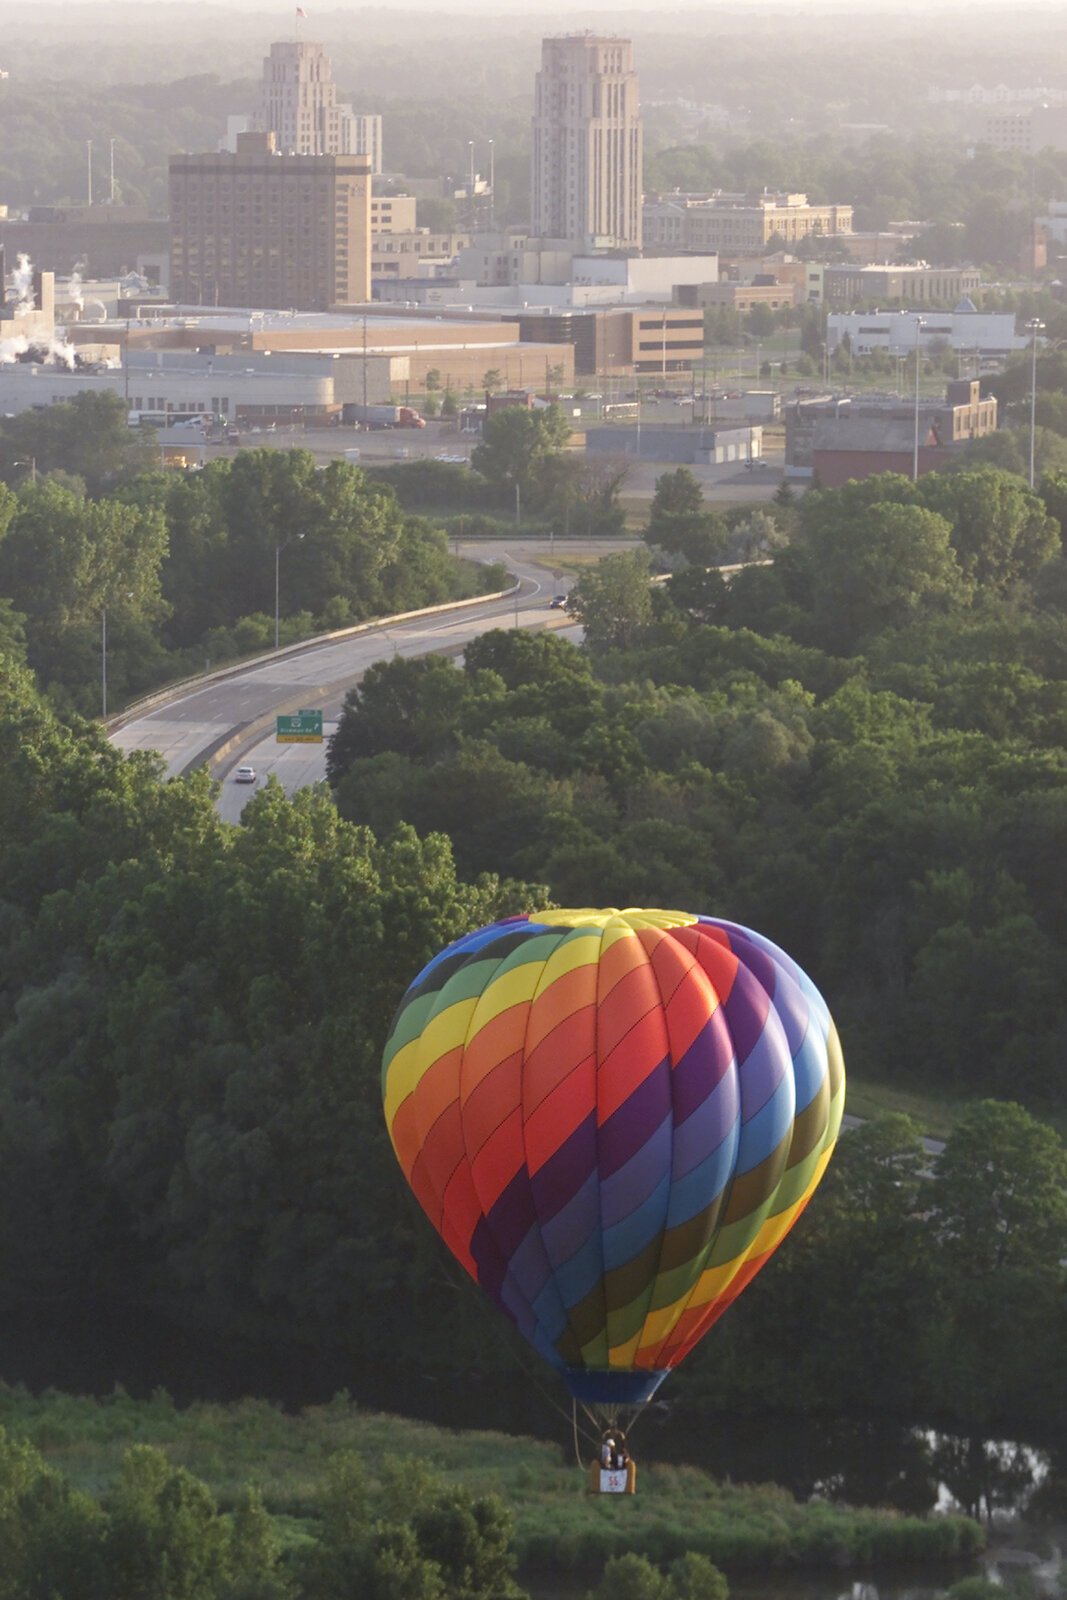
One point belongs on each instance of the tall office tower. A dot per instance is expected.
(366, 138)
(259, 228)
(587, 144)
(298, 102)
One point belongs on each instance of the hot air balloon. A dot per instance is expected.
(613, 1118)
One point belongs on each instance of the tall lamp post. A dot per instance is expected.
(920, 324)
(118, 599)
(1033, 328)
(278, 548)
(103, 664)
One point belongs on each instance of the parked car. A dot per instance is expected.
(245, 775)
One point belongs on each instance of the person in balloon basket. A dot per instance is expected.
(607, 1452)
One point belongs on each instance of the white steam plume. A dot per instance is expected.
(11, 349)
(22, 283)
(74, 286)
(59, 351)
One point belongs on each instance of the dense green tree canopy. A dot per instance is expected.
(184, 565)
(679, 521)
(612, 601)
(87, 437)
(516, 443)
(191, 1015)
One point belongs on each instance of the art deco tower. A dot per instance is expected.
(586, 174)
(298, 102)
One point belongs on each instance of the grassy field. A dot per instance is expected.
(936, 1117)
(559, 1527)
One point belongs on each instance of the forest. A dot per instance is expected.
(859, 744)
(856, 746)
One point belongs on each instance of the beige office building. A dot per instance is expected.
(586, 168)
(392, 213)
(258, 228)
(732, 224)
(1039, 128)
(405, 253)
(915, 283)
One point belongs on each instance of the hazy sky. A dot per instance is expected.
(574, 16)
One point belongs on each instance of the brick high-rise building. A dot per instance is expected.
(586, 170)
(259, 228)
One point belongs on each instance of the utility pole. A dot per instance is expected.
(920, 324)
(1033, 327)
(89, 168)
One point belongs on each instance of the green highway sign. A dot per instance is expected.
(304, 728)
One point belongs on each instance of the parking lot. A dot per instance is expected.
(440, 440)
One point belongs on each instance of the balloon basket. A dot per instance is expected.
(612, 1480)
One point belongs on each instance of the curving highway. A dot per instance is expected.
(228, 719)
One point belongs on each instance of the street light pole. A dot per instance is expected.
(920, 324)
(278, 548)
(1034, 327)
(103, 664)
(637, 391)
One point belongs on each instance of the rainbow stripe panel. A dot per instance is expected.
(612, 1118)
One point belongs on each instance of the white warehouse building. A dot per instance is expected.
(280, 389)
(990, 334)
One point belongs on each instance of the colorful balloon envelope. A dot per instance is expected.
(613, 1118)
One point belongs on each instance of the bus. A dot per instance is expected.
(622, 411)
